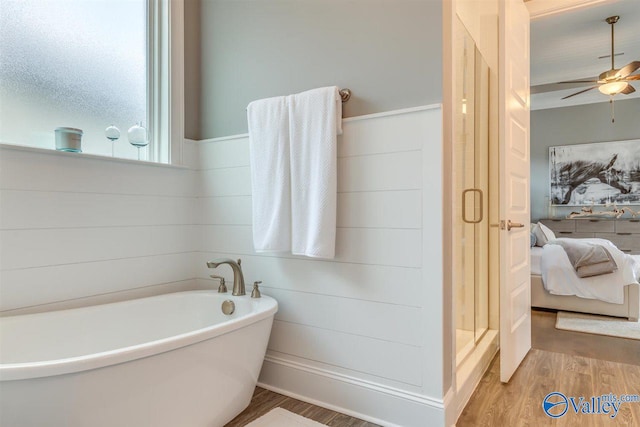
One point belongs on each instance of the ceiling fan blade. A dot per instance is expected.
(629, 89)
(609, 56)
(628, 69)
(578, 93)
(579, 81)
(635, 77)
(552, 87)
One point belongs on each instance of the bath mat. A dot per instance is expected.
(600, 325)
(279, 417)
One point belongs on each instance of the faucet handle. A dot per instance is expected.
(239, 263)
(222, 289)
(255, 293)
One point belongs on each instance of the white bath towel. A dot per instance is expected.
(270, 174)
(314, 123)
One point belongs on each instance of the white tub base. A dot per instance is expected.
(200, 385)
(203, 384)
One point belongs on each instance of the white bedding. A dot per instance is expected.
(560, 278)
(536, 256)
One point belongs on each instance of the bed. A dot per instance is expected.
(540, 297)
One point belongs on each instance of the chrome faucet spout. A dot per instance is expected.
(238, 277)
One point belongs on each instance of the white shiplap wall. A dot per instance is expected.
(367, 324)
(361, 333)
(76, 229)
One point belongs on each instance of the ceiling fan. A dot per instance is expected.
(613, 81)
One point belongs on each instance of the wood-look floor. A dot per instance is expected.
(264, 400)
(545, 336)
(573, 363)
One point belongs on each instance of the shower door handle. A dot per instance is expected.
(464, 206)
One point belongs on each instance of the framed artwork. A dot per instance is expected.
(595, 174)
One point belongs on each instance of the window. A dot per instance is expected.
(85, 64)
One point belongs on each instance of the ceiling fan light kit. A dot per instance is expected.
(613, 88)
(614, 81)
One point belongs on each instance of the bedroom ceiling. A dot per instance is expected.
(566, 46)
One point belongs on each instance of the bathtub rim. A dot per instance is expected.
(264, 308)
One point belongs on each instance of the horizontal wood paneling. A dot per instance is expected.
(385, 134)
(228, 239)
(225, 210)
(233, 181)
(384, 359)
(46, 209)
(382, 321)
(402, 248)
(395, 247)
(224, 153)
(42, 171)
(380, 209)
(375, 209)
(380, 172)
(33, 286)
(73, 228)
(391, 285)
(46, 247)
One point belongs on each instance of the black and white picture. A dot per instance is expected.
(595, 174)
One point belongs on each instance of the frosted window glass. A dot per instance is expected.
(74, 63)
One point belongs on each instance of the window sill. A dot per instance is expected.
(5, 146)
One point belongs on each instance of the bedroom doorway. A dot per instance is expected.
(471, 220)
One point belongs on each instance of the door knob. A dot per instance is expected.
(511, 225)
(508, 225)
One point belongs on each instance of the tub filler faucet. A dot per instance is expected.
(238, 278)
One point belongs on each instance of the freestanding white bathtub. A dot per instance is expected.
(172, 360)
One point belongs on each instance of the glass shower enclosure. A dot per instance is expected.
(471, 185)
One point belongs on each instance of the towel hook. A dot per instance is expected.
(345, 94)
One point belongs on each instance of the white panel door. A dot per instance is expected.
(515, 295)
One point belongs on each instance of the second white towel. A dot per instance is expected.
(314, 123)
(270, 174)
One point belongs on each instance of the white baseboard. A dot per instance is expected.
(376, 403)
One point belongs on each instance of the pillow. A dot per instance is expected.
(533, 239)
(548, 233)
(543, 234)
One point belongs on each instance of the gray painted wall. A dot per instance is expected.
(574, 125)
(192, 69)
(388, 52)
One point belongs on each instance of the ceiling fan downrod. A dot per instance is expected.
(612, 20)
